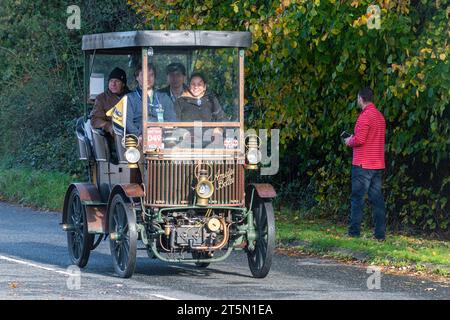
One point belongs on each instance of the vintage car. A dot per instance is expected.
(191, 203)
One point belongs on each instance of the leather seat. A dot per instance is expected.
(84, 138)
(120, 149)
(101, 150)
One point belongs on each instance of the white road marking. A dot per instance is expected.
(163, 297)
(34, 265)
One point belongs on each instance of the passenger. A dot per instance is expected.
(117, 88)
(198, 104)
(134, 104)
(176, 77)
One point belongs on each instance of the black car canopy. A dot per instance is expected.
(166, 40)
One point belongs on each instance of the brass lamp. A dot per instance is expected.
(132, 154)
(253, 153)
(204, 188)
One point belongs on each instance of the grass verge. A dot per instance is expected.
(34, 188)
(398, 251)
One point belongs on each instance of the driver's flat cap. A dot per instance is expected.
(176, 67)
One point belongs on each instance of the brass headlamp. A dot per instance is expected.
(253, 153)
(132, 154)
(204, 188)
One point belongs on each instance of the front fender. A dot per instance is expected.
(130, 191)
(261, 190)
(264, 190)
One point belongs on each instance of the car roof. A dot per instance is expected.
(166, 40)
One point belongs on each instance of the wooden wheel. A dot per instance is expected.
(123, 236)
(260, 258)
(79, 241)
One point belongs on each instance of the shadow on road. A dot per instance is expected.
(101, 263)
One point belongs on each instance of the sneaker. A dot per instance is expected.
(379, 239)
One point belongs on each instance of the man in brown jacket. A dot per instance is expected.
(117, 88)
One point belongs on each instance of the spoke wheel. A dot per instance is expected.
(260, 258)
(200, 255)
(122, 222)
(79, 241)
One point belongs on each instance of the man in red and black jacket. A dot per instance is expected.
(368, 165)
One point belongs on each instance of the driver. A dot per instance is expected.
(134, 103)
(176, 77)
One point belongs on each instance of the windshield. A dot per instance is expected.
(193, 100)
(198, 85)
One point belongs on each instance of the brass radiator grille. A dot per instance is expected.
(171, 182)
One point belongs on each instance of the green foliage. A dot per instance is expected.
(40, 126)
(307, 61)
(36, 188)
(306, 64)
(41, 84)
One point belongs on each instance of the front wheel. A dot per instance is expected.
(260, 258)
(123, 236)
(79, 241)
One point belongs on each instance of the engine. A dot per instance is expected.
(194, 231)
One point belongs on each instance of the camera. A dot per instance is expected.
(345, 135)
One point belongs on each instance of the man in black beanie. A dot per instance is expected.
(117, 88)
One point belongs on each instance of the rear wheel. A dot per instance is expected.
(260, 258)
(122, 228)
(79, 241)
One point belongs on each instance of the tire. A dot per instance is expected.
(79, 241)
(260, 258)
(122, 221)
(200, 255)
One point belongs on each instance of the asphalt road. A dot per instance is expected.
(34, 264)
